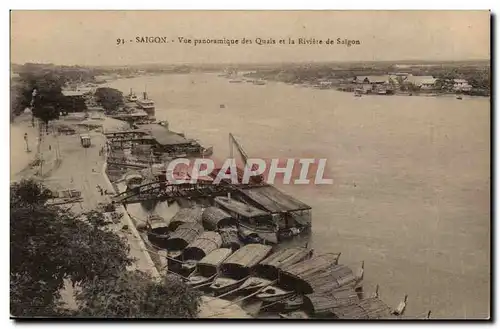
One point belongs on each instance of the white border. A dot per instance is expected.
(256, 4)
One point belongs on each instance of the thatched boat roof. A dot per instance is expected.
(239, 208)
(273, 200)
(186, 215)
(246, 257)
(214, 218)
(203, 245)
(332, 278)
(281, 259)
(367, 309)
(184, 235)
(300, 277)
(230, 239)
(322, 304)
(216, 257)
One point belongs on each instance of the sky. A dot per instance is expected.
(90, 37)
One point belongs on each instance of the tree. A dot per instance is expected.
(49, 244)
(135, 294)
(42, 91)
(109, 98)
(27, 193)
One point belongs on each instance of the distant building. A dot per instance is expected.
(424, 82)
(396, 78)
(75, 100)
(371, 79)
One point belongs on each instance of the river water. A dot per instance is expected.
(411, 176)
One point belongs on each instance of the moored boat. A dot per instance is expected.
(131, 97)
(147, 105)
(186, 215)
(297, 278)
(237, 268)
(180, 239)
(214, 218)
(208, 268)
(198, 249)
(268, 270)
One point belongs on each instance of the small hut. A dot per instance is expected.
(215, 218)
(184, 235)
(202, 246)
(186, 215)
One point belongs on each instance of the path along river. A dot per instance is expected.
(411, 191)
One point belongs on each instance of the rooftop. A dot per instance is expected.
(273, 200)
(164, 136)
(421, 79)
(373, 78)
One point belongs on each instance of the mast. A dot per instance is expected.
(240, 149)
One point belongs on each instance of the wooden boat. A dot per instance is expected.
(240, 210)
(158, 233)
(333, 278)
(186, 215)
(180, 239)
(198, 249)
(298, 278)
(214, 218)
(268, 270)
(208, 268)
(237, 268)
(257, 234)
(322, 304)
(372, 308)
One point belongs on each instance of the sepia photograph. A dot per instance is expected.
(246, 164)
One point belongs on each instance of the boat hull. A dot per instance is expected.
(199, 281)
(274, 294)
(255, 283)
(222, 285)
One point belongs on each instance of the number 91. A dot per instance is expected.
(120, 41)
